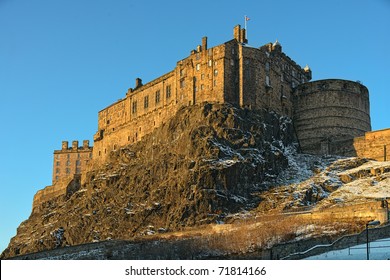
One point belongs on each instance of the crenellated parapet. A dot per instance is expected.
(71, 160)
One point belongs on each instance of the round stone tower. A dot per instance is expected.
(328, 114)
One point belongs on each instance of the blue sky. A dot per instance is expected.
(61, 61)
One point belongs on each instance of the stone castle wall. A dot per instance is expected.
(374, 145)
(329, 114)
(232, 72)
(61, 187)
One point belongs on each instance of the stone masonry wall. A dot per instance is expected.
(71, 160)
(374, 145)
(232, 73)
(328, 112)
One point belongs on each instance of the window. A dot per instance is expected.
(134, 107)
(267, 81)
(182, 84)
(202, 77)
(168, 91)
(201, 87)
(78, 163)
(282, 96)
(215, 83)
(267, 66)
(215, 72)
(232, 62)
(198, 67)
(68, 163)
(57, 170)
(57, 163)
(157, 97)
(210, 62)
(146, 102)
(181, 72)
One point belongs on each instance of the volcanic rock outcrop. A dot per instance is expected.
(208, 161)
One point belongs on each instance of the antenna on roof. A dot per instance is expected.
(246, 30)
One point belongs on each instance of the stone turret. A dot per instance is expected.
(70, 161)
(328, 114)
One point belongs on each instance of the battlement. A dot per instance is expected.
(71, 160)
(75, 146)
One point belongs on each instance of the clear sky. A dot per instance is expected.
(61, 61)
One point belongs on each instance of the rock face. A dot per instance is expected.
(207, 162)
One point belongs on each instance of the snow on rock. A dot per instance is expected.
(310, 180)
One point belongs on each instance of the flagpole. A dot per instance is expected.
(246, 30)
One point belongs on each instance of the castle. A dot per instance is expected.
(328, 114)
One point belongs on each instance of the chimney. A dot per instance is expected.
(86, 144)
(204, 43)
(138, 83)
(240, 34)
(64, 145)
(75, 145)
(237, 33)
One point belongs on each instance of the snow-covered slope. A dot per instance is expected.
(311, 181)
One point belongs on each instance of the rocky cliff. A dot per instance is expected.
(207, 162)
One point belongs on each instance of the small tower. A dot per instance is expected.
(307, 72)
(68, 162)
(277, 46)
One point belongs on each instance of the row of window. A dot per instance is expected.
(58, 156)
(67, 171)
(197, 67)
(168, 93)
(78, 163)
(268, 82)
